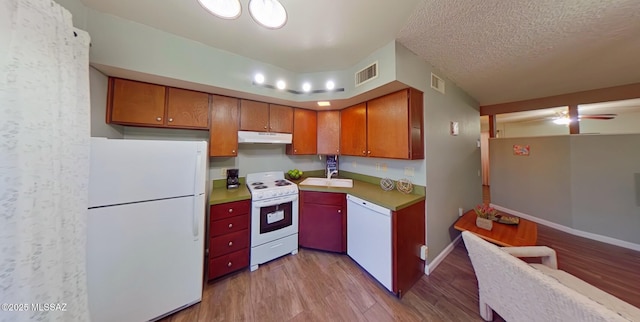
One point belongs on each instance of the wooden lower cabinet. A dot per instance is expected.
(323, 221)
(407, 236)
(229, 237)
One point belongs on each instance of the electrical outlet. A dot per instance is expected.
(223, 172)
(384, 167)
(460, 211)
(409, 171)
(424, 250)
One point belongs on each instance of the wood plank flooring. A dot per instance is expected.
(320, 286)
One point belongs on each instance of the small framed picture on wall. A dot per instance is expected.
(522, 150)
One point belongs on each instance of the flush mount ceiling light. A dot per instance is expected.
(268, 13)
(225, 9)
(281, 84)
(306, 87)
(330, 85)
(259, 78)
(324, 103)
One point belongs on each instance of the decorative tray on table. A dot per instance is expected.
(506, 219)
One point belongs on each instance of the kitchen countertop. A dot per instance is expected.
(220, 194)
(393, 200)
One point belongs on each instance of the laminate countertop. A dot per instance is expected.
(393, 200)
(220, 194)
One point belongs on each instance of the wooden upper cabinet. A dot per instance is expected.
(329, 132)
(387, 126)
(224, 126)
(187, 109)
(353, 130)
(305, 133)
(264, 117)
(143, 104)
(135, 103)
(254, 116)
(280, 118)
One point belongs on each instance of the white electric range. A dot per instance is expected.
(274, 217)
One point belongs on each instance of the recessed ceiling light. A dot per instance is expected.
(281, 84)
(269, 13)
(259, 78)
(324, 103)
(226, 9)
(330, 85)
(306, 87)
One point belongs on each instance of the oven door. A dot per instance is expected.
(273, 219)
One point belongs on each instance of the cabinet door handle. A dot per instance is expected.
(229, 264)
(230, 209)
(158, 119)
(230, 226)
(295, 150)
(230, 243)
(339, 210)
(170, 120)
(233, 151)
(265, 126)
(364, 152)
(368, 152)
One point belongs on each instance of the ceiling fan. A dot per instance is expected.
(563, 117)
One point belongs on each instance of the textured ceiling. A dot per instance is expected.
(496, 50)
(503, 51)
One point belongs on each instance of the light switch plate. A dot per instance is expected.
(454, 128)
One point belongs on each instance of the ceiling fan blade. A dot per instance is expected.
(599, 116)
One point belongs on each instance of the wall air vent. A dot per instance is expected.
(366, 74)
(437, 83)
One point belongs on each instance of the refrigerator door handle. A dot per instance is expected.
(194, 218)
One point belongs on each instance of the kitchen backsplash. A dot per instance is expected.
(251, 157)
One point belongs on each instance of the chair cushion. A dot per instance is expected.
(605, 299)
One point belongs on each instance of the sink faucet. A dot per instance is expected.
(330, 173)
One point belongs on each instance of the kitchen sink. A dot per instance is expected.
(324, 182)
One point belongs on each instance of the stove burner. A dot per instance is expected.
(281, 183)
(258, 183)
(259, 187)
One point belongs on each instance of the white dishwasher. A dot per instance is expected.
(369, 238)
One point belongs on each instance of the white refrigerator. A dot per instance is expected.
(145, 228)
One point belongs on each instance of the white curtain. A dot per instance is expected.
(44, 163)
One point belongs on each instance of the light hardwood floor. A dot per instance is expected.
(320, 286)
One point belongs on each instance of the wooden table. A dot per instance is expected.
(523, 234)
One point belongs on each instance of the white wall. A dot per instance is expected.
(532, 128)
(452, 163)
(251, 157)
(623, 124)
(583, 182)
(98, 91)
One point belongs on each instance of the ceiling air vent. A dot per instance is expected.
(366, 74)
(437, 83)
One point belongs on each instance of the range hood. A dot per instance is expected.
(264, 137)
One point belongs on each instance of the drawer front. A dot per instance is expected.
(230, 209)
(323, 198)
(228, 263)
(229, 225)
(229, 243)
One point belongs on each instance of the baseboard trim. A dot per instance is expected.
(572, 231)
(429, 268)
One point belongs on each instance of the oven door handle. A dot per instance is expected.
(275, 201)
